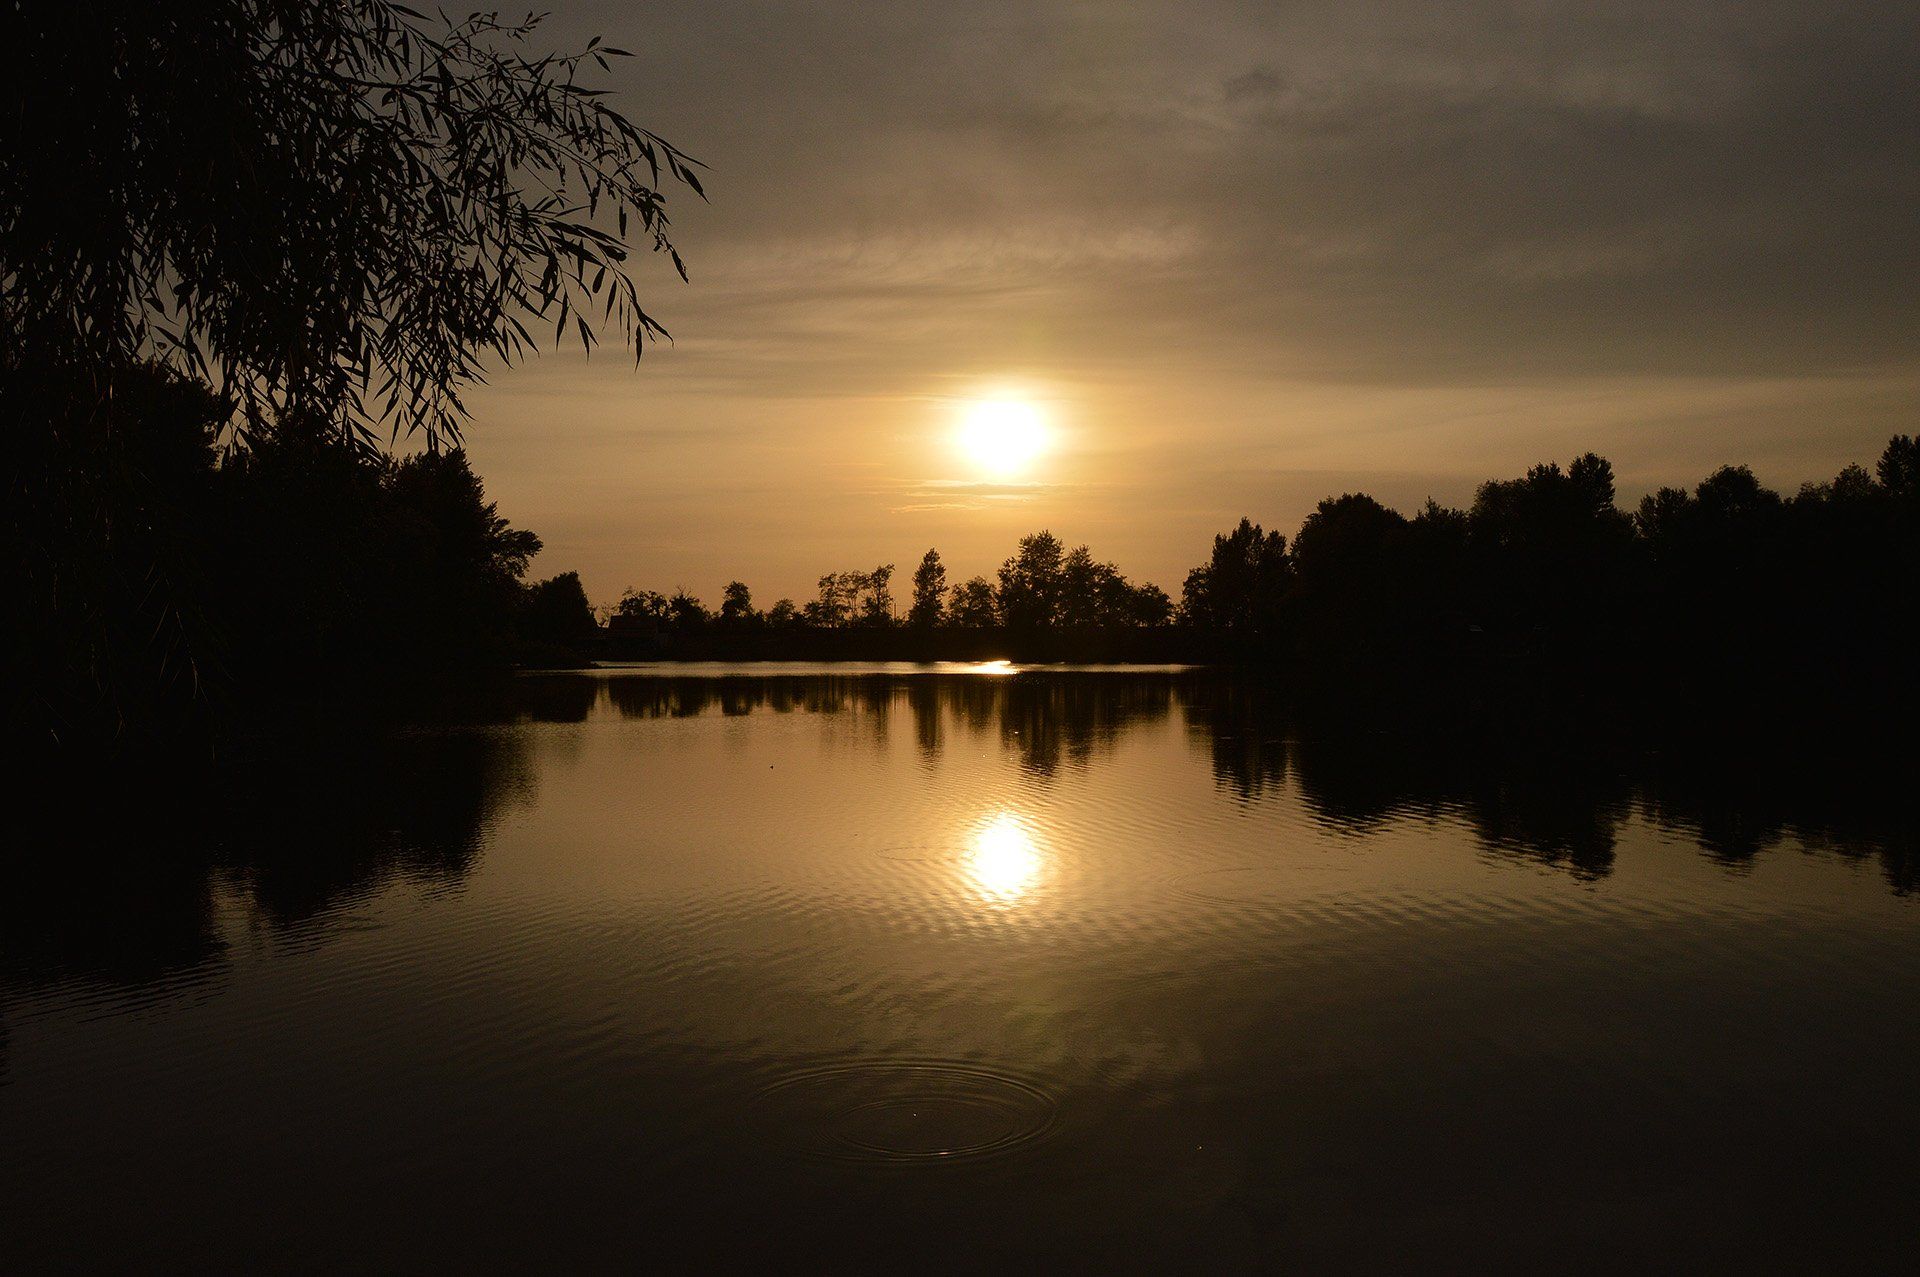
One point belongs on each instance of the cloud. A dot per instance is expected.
(989, 489)
(1259, 83)
(963, 494)
(1613, 186)
(1250, 231)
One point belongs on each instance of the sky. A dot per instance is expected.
(1238, 256)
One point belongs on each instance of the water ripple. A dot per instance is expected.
(895, 1111)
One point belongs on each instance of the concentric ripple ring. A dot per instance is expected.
(905, 1111)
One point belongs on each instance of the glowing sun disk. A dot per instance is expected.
(1002, 436)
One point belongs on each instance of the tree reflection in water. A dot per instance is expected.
(130, 896)
(662, 936)
(127, 896)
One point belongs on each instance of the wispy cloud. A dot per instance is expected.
(964, 494)
(1364, 240)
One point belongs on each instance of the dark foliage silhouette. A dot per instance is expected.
(1032, 583)
(1050, 600)
(1239, 590)
(172, 588)
(329, 209)
(736, 606)
(291, 230)
(974, 604)
(1543, 591)
(1544, 584)
(556, 613)
(929, 592)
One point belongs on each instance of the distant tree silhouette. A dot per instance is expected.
(1347, 543)
(1032, 582)
(1094, 594)
(1717, 540)
(1350, 558)
(974, 605)
(1899, 470)
(556, 612)
(1147, 606)
(1553, 556)
(852, 598)
(876, 597)
(1700, 597)
(929, 592)
(1241, 587)
(837, 603)
(736, 606)
(643, 606)
(1084, 588)
(833, 606)
(449, 529)
(420, 574)
(687, 614)
(783, 615)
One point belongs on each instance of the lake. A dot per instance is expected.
(943, 966)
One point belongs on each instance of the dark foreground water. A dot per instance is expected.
(1094, 969)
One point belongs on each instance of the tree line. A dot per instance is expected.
(1541, 575)
(1042, 586)
(1544, 576)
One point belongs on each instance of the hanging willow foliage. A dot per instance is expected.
(332, 210)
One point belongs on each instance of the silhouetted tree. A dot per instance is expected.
(556, 611)
(1083, 589)
(1094, 594)
(853, 598)
(406, 572)
(736, 605)
(783, 615)
(1346, 542)
(1241, 587)
(1899, 469)
(833, 607)
(929, 592)
(1552, 556)
(974, 605)
(1148, 606)
(419, 575)
(686, 613)
(648, 606)
(1702, 595)
(1031, 583)
(462, 560)
(876, 597)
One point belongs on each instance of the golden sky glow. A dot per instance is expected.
(1236, 257)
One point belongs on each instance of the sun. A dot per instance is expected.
(1003, 435)
(1004, 862)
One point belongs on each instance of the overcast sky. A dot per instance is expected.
(1244, 255)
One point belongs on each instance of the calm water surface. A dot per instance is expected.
(948, 967)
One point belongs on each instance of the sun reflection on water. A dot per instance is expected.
(1004, 862)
